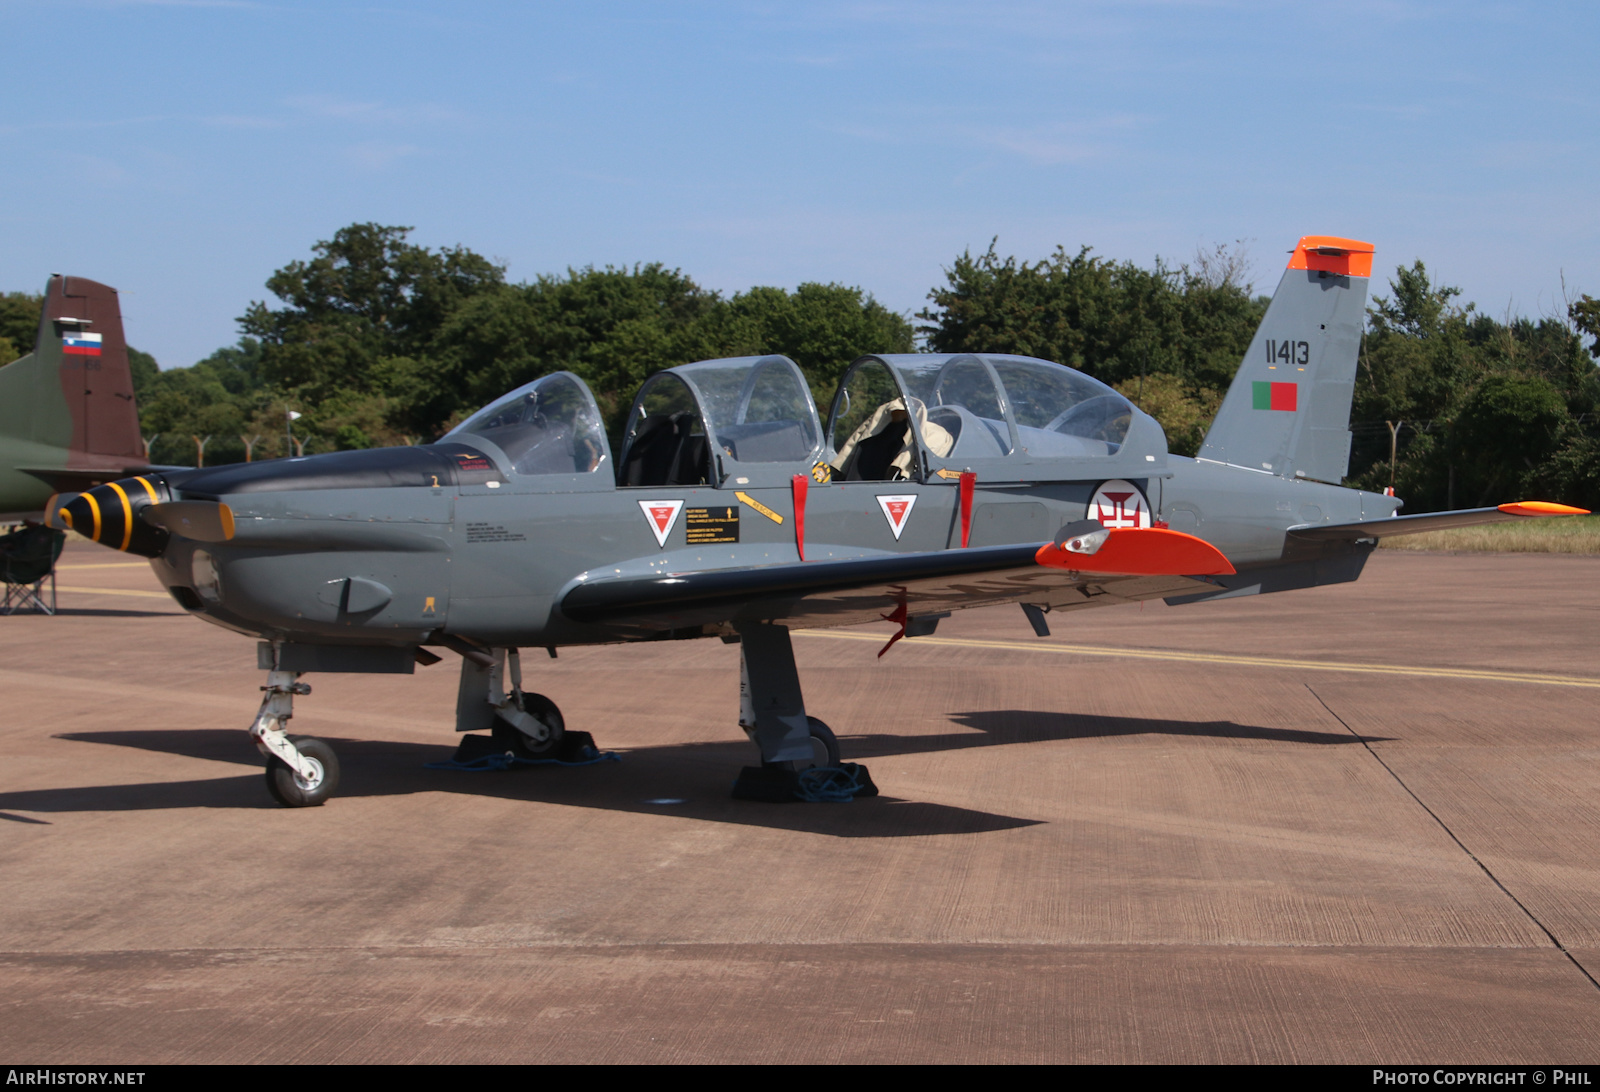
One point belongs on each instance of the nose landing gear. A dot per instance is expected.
(301, 773)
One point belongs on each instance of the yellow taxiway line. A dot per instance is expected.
(114, 591)
(1222, 658)
(103, 565)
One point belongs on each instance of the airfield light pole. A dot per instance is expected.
(1394, 443)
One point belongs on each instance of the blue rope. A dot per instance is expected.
(830, 784)
(506, 761)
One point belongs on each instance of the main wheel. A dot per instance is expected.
(824, 744)
(543, 710)
(293, 791)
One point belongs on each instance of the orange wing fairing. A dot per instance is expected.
(1541, 508)
(1331, 254)
(1142, 551)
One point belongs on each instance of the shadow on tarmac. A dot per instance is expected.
(1031, 726)
(696, 776)
(86, 612)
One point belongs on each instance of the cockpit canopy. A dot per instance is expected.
(745, 418)
(751, 421)
(549, 426)
(1006, 417)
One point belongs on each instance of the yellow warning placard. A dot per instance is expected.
(708, 526)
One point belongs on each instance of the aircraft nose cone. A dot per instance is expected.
(111, 514)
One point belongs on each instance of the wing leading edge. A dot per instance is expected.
(1145, 564)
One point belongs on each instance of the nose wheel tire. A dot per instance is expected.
(293, 791)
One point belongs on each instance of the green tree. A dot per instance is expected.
(144, 369)
(215, 397)
(1116, 321)
(368, 295)
(614, 326)
(611, 326)
(1492, 410)
(1503, 437)
(1585, 315)
(821, 327)
(1184, 414)
(19, 321)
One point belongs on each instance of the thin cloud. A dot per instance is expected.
(181, 4)
(94, 168)
(375, 155)
(1066, 142)
(241, 121)
(371, 113)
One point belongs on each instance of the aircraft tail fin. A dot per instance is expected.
(67, 414)
(1288, 410)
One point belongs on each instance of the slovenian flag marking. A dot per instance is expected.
(81, 344)
(1274, 396)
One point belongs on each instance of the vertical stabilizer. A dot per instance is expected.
(1288, 410)
(67, 415)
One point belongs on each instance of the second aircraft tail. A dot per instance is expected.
(67, 415)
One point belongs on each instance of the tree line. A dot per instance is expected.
(375, 341)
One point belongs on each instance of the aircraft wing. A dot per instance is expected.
(901, 586)
(1432, 521)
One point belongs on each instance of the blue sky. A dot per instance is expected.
(182, 150)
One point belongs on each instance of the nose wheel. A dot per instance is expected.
(312, 784)
(301, 773)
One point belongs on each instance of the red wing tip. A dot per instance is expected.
(1541, 508)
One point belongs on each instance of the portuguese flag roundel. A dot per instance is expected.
(1274, 396)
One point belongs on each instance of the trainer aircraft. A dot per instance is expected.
(732, 510)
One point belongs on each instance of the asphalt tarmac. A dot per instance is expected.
(1351, 824)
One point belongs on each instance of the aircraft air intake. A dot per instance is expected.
(113, 515)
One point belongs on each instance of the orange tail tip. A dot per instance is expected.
(1142, 551)
(1541, 508)
(1331, 254)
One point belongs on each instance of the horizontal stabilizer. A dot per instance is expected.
(1433, 521)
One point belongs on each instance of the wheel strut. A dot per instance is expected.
(300, 773)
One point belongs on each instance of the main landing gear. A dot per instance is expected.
(799, 753)
(772, 712)
(520, 723)
(301, 773)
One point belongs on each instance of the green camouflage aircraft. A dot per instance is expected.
(67, 416)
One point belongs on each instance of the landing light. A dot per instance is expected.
(1089, 543)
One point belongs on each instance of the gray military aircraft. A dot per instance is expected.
(939, 482)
